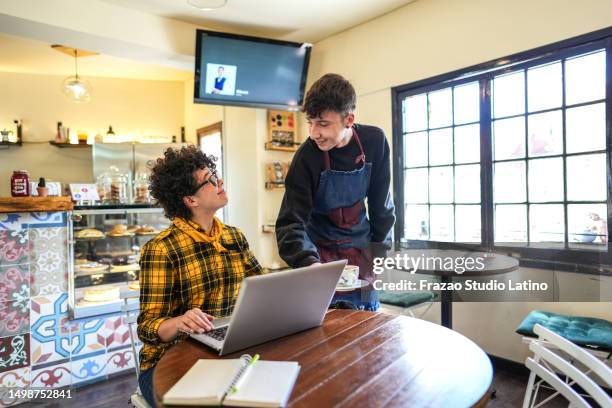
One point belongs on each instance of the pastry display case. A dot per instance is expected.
(105, 243)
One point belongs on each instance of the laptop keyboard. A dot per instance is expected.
(218, 334)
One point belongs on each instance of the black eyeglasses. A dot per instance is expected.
(213, 179)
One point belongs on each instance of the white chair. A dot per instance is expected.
(558, 370)
(131, 316)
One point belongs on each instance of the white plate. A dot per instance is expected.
(358, 285)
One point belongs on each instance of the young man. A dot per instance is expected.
(323, 213)
(219, 81)
(191, 272)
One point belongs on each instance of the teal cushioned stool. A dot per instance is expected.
(406, 300)
(583, 331)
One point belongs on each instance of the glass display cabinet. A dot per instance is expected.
(105, 243)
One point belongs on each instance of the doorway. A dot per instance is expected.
(210, 140)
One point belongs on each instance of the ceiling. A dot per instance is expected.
(35, 57)
(292, 20)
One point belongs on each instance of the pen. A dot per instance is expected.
(244, 374)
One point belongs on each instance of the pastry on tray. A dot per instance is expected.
(89, 233)
(91, 267)
(120, 230)
(133, 228)
(125, 268)
(134, 285)
(101, 294)
(146, 230)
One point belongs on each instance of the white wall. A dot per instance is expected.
(130, 106)
(432, 37)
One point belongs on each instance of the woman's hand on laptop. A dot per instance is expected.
(193, 321)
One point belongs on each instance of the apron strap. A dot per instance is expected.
(361, 157)
(326, 160)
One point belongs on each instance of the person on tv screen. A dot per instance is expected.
(323, 214)
(219, 81)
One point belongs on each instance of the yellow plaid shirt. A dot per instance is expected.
(181, 269)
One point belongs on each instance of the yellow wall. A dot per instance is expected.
(432, 37)
(130, 106)
(140, 107)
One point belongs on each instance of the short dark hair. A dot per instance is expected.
(172, 178)
(331, 92)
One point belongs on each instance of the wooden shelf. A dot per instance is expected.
(69, 145)
(9, 144)
(270, 146)
(274, 186)
(268, 228)
(35, 204)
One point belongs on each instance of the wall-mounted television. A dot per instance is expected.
(249, 71)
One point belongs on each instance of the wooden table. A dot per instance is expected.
(364, 359)
(494, 264)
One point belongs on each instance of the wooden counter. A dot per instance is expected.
(35, 204)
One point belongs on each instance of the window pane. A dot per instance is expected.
(510, 223)
(545, 134)
(509, 94)
(509, 182)
(546, 180)
(544, 88)
(509, 138)
(417, 224)
(441, 146)
(585, 78)
(416, 149)
(440, 108)
(586, 128)
(442, 222)
(587, 224)
(586, 178)
(467, 223)
(415, 186)
(415, 113)
(467, 103)
(467, 184)
(467, 144)
(441, 184)
(546, 223)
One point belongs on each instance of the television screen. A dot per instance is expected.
(248, 71)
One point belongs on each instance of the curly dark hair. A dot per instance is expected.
(172, 178)
(331, 92)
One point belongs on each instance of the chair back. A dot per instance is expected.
(547, 365)
(131, 316)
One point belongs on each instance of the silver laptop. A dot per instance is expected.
(275, 305)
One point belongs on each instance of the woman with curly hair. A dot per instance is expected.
(191, 272)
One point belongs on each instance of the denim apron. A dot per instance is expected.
(338, 225)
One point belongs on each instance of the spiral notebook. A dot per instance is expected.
(235, 382)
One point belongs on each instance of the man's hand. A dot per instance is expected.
(194, 321)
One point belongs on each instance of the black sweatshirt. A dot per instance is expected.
(294, 245)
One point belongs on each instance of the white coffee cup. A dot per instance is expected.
(350, 275)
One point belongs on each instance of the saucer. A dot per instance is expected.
(357, 285)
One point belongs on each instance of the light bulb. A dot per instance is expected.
(77, 89)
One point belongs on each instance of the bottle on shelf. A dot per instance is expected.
(20, 183)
